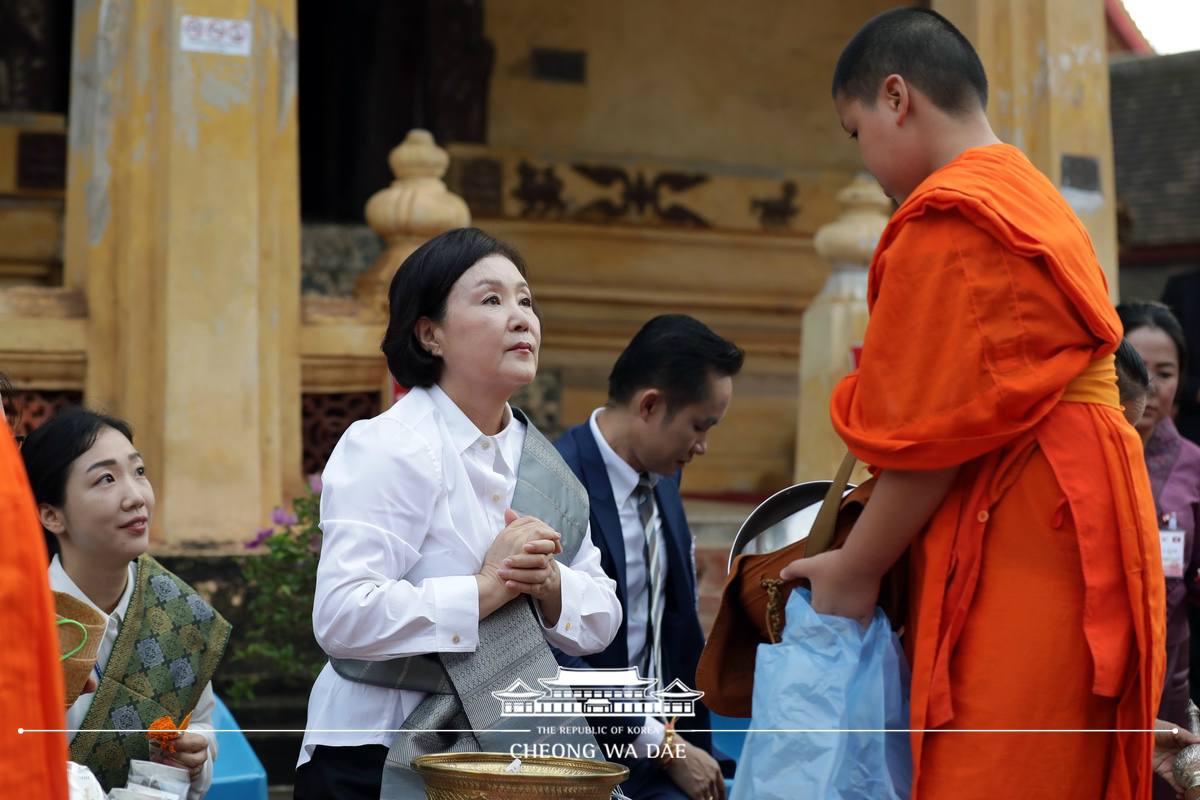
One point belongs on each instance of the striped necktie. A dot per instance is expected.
(654, 572)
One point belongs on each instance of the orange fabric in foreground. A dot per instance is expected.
(31, 681)
(986, 304)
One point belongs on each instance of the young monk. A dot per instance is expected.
(987, 400)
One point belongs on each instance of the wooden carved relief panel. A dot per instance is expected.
(325, 417)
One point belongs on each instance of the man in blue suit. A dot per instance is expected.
(667, 389)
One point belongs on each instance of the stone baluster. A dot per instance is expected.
(415, 208)
(836, 321)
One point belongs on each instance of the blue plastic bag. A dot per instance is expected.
(822, 698)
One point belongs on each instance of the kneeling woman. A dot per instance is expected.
(437, 516)
(162, 642)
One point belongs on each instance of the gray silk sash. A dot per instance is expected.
(459, 712)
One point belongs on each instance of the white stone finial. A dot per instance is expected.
(849, 241)
(415, 208)
(418, 202)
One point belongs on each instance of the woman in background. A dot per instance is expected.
(1174, 466)
(162, 642)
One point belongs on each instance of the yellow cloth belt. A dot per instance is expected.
(1096, 384)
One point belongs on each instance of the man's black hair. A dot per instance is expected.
(675, 354)
(922, 47)
(1132, 378)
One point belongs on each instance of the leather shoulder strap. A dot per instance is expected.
(821, 537)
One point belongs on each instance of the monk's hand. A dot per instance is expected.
(695, 772)
(839, 586)
(1169, 739)
(191, 752)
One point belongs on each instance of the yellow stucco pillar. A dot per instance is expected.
(1047, 69)
(183, 231)
(835, 322)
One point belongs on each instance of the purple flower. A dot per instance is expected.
(314, 482)
(260, 537)
(314, 543)
(281, 517)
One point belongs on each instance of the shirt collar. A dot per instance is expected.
(464, 434)
(624, 478)
(60, 581)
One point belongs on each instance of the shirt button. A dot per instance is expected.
(982, 516)
(455, 640)
(496, 497)
(567, 626)
(486, 445)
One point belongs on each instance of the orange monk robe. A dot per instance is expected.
(1037, 597)
(31, 681)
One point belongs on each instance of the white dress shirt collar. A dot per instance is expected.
(60, 581)
(624, 478)
(464, 434)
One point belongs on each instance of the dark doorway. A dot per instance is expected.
(35, 55)
(370, 71)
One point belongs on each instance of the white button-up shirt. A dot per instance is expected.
(624, 481)
(411, 502)
(201, 721)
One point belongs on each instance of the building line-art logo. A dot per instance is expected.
(612, 692)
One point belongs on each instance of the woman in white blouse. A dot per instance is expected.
(419, 542)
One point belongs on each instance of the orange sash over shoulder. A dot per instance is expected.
(990, 338)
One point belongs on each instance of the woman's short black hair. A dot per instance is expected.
(675, 354)
(52, 447)
(420, 288)
(1150, 314)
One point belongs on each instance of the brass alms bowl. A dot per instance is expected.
(480, 776)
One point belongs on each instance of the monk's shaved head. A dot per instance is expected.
(920, 46)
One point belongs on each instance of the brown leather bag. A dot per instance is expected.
(753, 601)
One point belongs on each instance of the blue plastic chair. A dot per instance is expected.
(237, 772)
(729, 735)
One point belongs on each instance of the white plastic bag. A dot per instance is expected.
(158, 776)
(82, 784)
(822, 698)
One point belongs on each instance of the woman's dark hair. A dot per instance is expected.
(52, 447)
(675, 354)
(1133, 381)
(1149, 314)
(419, 289)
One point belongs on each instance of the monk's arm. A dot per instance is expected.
(846, 582)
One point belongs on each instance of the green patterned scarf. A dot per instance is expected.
(170, 643)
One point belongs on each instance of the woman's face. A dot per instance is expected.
(105, 518)
(490, 336)
(1162, 362)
